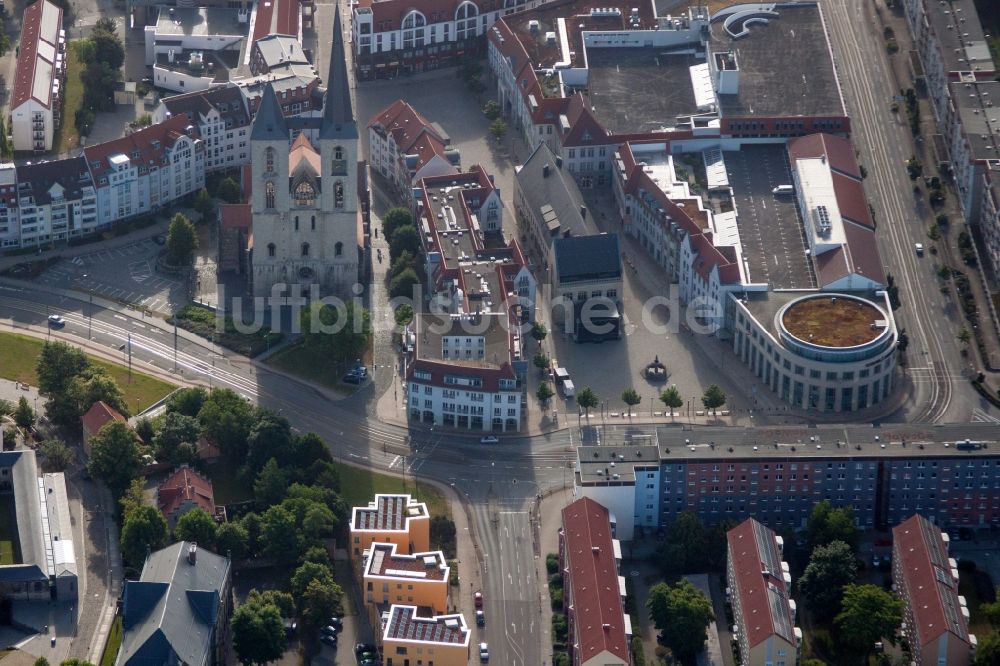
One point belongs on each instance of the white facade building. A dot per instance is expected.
(55, 201)
(223, 123)
(38, 79)
(405, 147)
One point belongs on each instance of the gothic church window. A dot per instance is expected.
(338, 194)
(270, 249)
(338, 249)
(305, 194)
(269, 194)
(270, 160)
(305, 249)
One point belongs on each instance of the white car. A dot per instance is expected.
(484, 652)
(919, 247)
(56, 320)
(489, 439)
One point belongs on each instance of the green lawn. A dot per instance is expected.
(19, 354)
(978, 625)
(8, 533)
(359, 486)
(314, 365)
(113, 644)
(202, 321)
(67, 137)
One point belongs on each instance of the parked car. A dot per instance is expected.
(480, 619)
(56, 321)
(484, 652)
(337, 623)
(489, 439)
(330, 630)
(478, 598)
(362, 648)
(160, 239)
(919, 248)
(328, 639)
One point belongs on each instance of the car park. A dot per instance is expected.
(489, 439)
(484, 652)
(56, 321)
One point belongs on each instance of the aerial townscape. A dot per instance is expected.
(512, 332)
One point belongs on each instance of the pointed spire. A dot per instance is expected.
(338, 116)
(269, 122)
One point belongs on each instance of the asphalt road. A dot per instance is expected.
(500, 484)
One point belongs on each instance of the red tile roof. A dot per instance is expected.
(276, 17)
(763, 598)
(591, 578)
(147, 148)
(235, 216)
(28, 65)
(185, 485)
(837, 149)
(920, 559)
(851, 199)
(411, 131)
(859, 255)
(99, 415)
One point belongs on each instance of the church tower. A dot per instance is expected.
(305, 198)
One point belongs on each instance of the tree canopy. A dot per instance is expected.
(714, 397)
(182, 240)
(868, 613)
(404, 239)
(342, 332)
(830, 568)
(114, 456)
(56, 456)
(258, 632)
(187, 401)
(682, 614)
(232, 539)
(143, 531)
(827, 524)
(587, 399)
(198, 526)
(396, 218)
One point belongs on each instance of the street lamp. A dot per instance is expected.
(90, 313)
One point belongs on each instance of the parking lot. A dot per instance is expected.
(770, 228)
(125, 273)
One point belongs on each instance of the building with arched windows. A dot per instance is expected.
(304, 193)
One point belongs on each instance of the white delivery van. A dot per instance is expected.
(568, 389)
(783, 189)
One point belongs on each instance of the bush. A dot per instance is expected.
(638, 654)
(83, 120)
(559, 628)
(552, 563)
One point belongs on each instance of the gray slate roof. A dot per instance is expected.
(169, 614)
(24, 475)
(581, 258)
(558, 190)
(269, 122)
(338, 114)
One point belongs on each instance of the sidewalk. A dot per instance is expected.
(68, 252)
(549, 521)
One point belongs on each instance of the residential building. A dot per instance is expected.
(99, 415)
(926, 580)
(599, 630)
(548, 204)
(10, 225)
(777, 474)
(405, 147)
(56, 200)
(296, 87)
(196, 48)
(390, 519)
(223, 123)
(407, 637)
(390, 577)
(989, 214)
(307, 228)
(184, 490)
(759, 590)
(587, 286)
(35, 102)
(179, 610)
(147, 169)
(275, 51)
(44, 564)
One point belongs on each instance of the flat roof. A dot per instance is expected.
(218, 21)
(656, 85)
(384, 561)
(771, 231)
(833, 322)
(493, 328)
(978, 104)
(963, 46)
(387, 513)
(403, 624)
(447, 217)
(785, 66)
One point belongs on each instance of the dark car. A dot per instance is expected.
(328, 639)
(361, 649)
(480, 619)
(336, 623)
(160, 239)
(351, 378)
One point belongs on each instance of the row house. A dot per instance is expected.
(221, 116)
(148, 169)
(951, 476)
(35, 102)
(405, 147)
(393, 38)
(57, 200)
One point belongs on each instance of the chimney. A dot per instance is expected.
(192, 553)
(558, 161)
(545, 171)
(583, 212)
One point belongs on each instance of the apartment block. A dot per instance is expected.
(390, 519)
(405, 147)
(223, 123)
(56, 200)
(35, 102)
(390, 577)
(759, 589)
(409, 638)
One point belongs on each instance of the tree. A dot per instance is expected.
(108, 46)
(318, 522)
(963, 336)
(671, 398)
(229, 190)
(226, 419)
(187, 401)
(347, 339)
(587, 399)
(827, 524)
(309, 448)
(713, 398)
(41, 661)
(182, 241)
(394, 219)
(498, 128)
(538, 331)
(258, 633)
(57, 366)
(144, 429)
(282, 600)
(404, 239)
(403, 285)
(988, 652)
(442, 535)
(203, 203)
(403, 315)
(491, 110)
(541, 360)
(307, 573)
(6, 407)
(56, 456)
(683, 550)
(176, 430)
(401, 263)
(631, 398)
(90, 386)
(134, 497)
(318, 555)
(253, 525)
(197, 526)
(544, 393)
(114, 456)
(83, 121)
(830, 568)
(231, 539)
(280, 535)
(682, 614)
(270, 438)
(868, 614)
(144, 531)
(271, 484)
(24, 415)
(318, 602)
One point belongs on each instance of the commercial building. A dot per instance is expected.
(759, 590)
(599, 630)
(183, 490)
(275, 51)
(35, 103)
(147, 169)
(43, 560)
(420, 579)
(390, 519)
(405, 147)
(222, 119)
(949, 473)
(408, 637)
(56, 200)
(587, 286)
(179, 610)
(926, 579)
